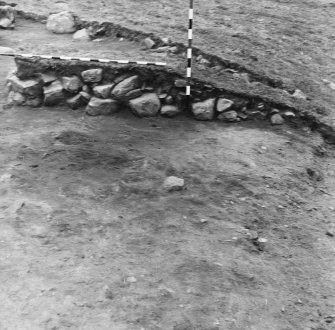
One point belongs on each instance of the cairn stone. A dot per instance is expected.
(173, 183)
(75, 102)
(98, 107)
(85, 97)
(149, 43)
(103, 91)
(72, 84)
(125, 86)
(7, 17)
(53, 93)
(277, 119)
(31, 87)
(35, 102)
(204, 110)
(229, 116)
(224, 105)
(169, 111)
(63, 22)
(133, 94)
(82, 34)
(92, 75)
(147, 105)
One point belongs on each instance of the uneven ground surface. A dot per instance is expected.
(90, 240)
(290, 40)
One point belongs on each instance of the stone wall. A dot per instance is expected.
(106, 88)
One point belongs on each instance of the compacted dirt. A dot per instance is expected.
(89, 239)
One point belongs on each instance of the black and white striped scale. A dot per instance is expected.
(189, 49)
(85, 59)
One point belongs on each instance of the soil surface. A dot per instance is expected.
(89, 239)
(290, 40)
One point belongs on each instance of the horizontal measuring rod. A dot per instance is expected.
(85, 59)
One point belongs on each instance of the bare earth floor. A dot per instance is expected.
(90, 240)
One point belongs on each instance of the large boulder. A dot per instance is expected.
(63, 22)
(53, 93)
(204, 110)
(31, 87)
(169, 111)
(98, 107)
(103, 91)
(147, 105)
(7, 17)
(125, 86)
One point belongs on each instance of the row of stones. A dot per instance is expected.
(105, 97)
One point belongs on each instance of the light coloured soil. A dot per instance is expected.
(90, 240)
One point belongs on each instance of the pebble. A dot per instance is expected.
(173, 183)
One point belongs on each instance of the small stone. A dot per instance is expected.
(166, 40)
(173, 183)
(125, 86)
(169, 111)
(53, 93)
(149, 43)
(97, 107)
(18, 98)
(34, 103)
(75, 102)
(131, 279)
(63, 22)
(72, 84)
(85, 97)
(289, 114)
(30, 87)
(229, 116)
(47, 78)
(173, 49)
(7, 17)
(162, 96)
(82, 34)
(224, 105)
(169, 100)
(277, 119)
(180, 83)
(162, 49)
(273, 111)
(204, 110)
(203, 220)
(298, 94)
(147, 105)
(103, 91)
(92, 75)
(330, 232)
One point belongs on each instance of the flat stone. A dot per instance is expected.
(63, 22)
(149, 43)
(173, 183)
(72, 84)
(169, 111)
(92, 75)
(82, 34)
(180, 83)
(6, 50)
(277, 119)
(125, 86)
(103, 91)
(98, 107)
(204, 110)
(224, 105)
(53, 93)
(75, 102)
(7, 17)
(229, 116)
(133, 94)
(289, 114)
(30, 87)
(147, 105)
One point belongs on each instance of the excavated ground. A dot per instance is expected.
(89, 239)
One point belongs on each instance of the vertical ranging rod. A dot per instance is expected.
(189, 53)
